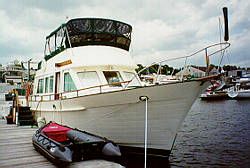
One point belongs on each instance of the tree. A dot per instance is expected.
(229, 67)
(140, 67)
(164, 69)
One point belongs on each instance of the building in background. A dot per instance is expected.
(191, 72)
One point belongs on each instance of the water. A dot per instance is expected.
(214, 134)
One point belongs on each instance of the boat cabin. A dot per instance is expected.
(86, 56)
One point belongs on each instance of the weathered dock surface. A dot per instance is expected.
(16, 150)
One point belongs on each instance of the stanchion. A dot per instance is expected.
(145, 98)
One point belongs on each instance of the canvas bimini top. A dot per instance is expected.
(88, 31)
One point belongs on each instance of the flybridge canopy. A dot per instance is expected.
(88, 31)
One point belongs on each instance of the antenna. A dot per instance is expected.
(225, 13)
(66, 19)
(222, 51)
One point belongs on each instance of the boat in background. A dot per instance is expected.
(156, 79)
(236, 89)
(239, 92)
(217, 95)
(215, 91)
(13, 73)
(5, 102)
(87, 80)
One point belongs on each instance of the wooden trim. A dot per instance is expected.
(60, 64)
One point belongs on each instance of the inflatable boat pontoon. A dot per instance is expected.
(64, 144)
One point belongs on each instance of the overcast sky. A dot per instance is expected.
(161, 28)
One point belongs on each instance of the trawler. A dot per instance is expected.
(87, 80)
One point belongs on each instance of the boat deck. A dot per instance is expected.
(16, 150)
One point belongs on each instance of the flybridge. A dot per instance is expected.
(88, 31)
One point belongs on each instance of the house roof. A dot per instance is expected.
(202, 68)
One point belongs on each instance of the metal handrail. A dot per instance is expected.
(76, 91)
(227, 44)
(187, 56)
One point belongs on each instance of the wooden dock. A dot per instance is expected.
(16, 150)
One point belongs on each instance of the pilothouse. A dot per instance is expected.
(76, 57)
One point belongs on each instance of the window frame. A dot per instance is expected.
(51, 87)
(40, 86)
(68, 88)
(46, 85)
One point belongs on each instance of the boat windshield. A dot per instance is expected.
(113, 78)
(132, 76)
(88, 31)
(88, 79)
(99, 32)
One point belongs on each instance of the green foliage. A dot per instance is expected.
(164, 69)
(229, 67)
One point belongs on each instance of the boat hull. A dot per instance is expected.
(240, 94)
(244, 94)
(120, 115)
(214, 96)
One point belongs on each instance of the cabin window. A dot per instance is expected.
(51, 84)
(131, 76)
(89, 79)
(52, 43)
(68, 83)
(40, 86)
(47, 85)
(60, 39)
(11, 82)
(113, 78)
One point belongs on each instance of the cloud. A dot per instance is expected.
(161, 29)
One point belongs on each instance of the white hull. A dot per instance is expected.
(240, 94)
(120, 115)
(244, 94)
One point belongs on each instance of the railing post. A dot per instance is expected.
(145, 98)
(184, 69)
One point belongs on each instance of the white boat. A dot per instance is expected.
(155, 79)
(243, 93)
(237, 92)
(87, 80)
(12, 73)
(214, 95)
(215, 91)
